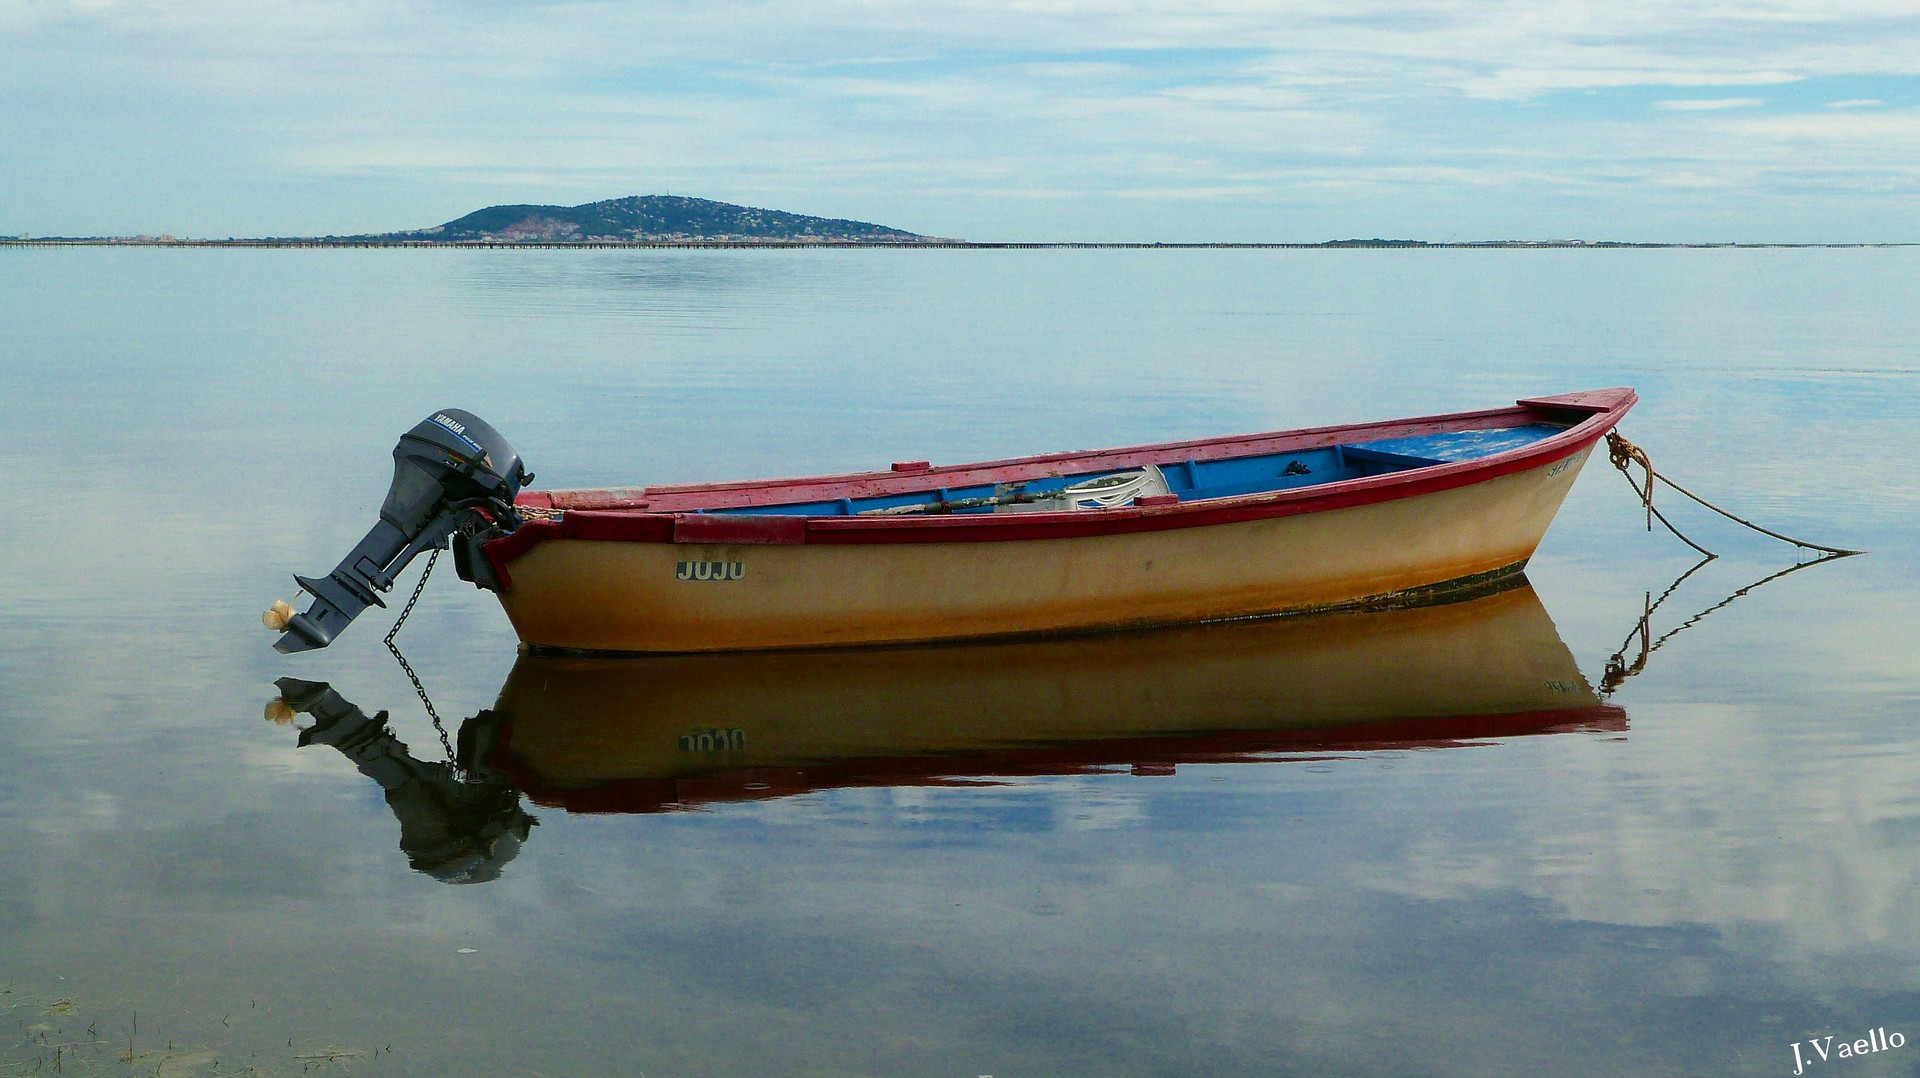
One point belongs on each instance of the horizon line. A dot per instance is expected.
(1377, 243)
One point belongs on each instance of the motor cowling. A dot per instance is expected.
(451, 471)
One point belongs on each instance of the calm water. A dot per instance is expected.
(1722, 861)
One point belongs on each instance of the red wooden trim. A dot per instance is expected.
(768, 529)
(659, 522)
(1589, 400)
(982, 767)
(508, 547)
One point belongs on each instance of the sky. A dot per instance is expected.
(1170, 120)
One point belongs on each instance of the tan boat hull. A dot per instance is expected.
(594, 595)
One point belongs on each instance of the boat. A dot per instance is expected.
(679, 733)
(1287, 522)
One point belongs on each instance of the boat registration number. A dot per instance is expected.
(1565, 464)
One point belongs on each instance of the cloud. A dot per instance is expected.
(1709, 104)
(1532, 81)
(1891, 131)
(341, 115)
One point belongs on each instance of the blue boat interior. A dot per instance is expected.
(1197, 480)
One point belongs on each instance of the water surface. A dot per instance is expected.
(1270, 868)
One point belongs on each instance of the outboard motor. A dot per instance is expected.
(450, 472)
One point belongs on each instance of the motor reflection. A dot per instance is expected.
(456, 825)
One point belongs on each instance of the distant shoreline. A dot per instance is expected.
(560, 245)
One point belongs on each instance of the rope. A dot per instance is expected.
(1103, 492)
(1624, 454)
(1619, 670)
(1751, 524)
(419, 689)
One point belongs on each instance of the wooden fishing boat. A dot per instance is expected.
(660, 733)
(1285, 522)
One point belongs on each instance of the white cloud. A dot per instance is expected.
(1709, 104)
(113, 112)
(1893, 131)
(1532, 81)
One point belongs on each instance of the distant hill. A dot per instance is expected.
(648, 218)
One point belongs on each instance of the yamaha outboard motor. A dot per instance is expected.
(451, 472)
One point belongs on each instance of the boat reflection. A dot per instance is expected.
(675, 732)
(661, 734)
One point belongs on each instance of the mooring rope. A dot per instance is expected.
(445, 741)
(1623, 454)
(1619, 670)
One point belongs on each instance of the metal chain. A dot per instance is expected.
(445, 741)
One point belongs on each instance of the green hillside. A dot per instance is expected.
(642, 218)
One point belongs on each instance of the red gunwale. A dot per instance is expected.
(988, 767)
(668, 514)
